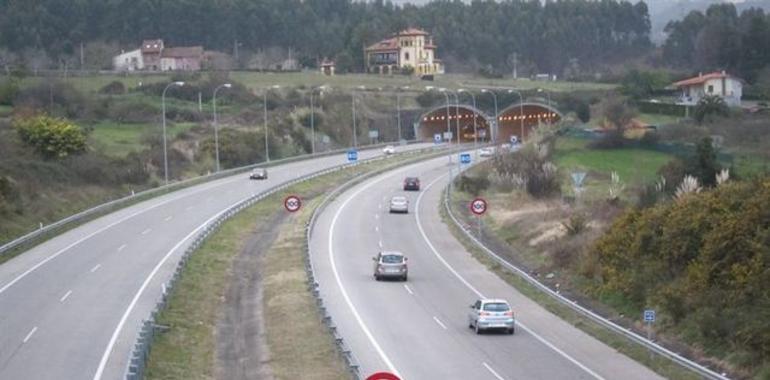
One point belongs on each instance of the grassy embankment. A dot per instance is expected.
(298, 341)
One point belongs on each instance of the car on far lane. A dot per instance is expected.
(491, 314)
(411, 183)
(258, 173)
(390, 264)
(487, 152)
(390, 149)
(399, 204)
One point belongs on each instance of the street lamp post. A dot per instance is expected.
(355, 131)
(163, 106)
(457, 114)
(216, 122)
(548, 94)
(521, 111)
(264, 113)
(494, 131)
(398, 109)
(475, 130)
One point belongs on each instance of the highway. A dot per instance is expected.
(71, 307)
(418, 329)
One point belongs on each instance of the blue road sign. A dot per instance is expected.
(465, 158)
(352, 155)
(649, 315)
(437, 138)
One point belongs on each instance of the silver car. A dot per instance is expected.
(491, 314)
(399, 204)
(390, 265)
(258, 173)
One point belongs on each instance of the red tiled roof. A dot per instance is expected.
(183, 52)
(413, 32)
(703, 78)
(389, 44)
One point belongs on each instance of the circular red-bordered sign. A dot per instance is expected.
(383, 376)
(292, 203)
(478, 206)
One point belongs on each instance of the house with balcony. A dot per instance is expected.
(410, 50)
(722, 84)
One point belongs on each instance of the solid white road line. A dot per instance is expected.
(147, 231)
(113, 224)
(65, 296)
(122, 247)
(168, 218)
(29, 335)
(95, 268)
(495, 374)
(467, 284)
(439, 323)
(408, 289)
(130, 308)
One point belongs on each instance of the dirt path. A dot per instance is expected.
(241, 348)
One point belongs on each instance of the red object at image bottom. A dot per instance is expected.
(383, 376)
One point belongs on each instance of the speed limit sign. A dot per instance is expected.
(292, 203)
(479, 206)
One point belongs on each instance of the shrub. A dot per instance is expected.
(472, 185)
(56, 97)
(531, 167)
(113, 88)
(51, 137)
(576, 224)
(709, 107)
(9, 88)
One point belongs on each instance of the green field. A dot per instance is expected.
(657, 119)
(5, 111)
(635, 166)
(117, 139)
(345, 82)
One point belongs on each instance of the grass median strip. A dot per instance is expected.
(659, 364)
(299, 344)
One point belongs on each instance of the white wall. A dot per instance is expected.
(128, 61)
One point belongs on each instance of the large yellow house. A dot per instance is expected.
(409, 49)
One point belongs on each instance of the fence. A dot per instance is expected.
(612, 326)
(146, 335)
(44, 232)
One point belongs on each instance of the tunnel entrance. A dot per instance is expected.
(521, 119)
(454, 118)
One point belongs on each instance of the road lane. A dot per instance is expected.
(104, 263)
(441, 286)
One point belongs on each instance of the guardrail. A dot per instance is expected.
(627, 333)
(39, 235)
(140, 353)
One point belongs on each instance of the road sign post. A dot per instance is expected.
(352, 155)
(465, 158)
(292, 203)
(649, 319)
(437, 138)
(478, 208)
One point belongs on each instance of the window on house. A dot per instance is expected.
(711, 89)
(406, 57)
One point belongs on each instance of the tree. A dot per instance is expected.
(710, 106)
(704, 165)
(53, 138)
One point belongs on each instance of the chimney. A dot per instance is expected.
(723, 72)
(700, 74)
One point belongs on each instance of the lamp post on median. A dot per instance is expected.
(548, 94)
(494, 128)
(163, 106)
(264, 113)
(521, 111)
(475, 130)
(216, 122)
(457, 112)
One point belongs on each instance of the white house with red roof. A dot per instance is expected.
(411, 48)
(722, 84)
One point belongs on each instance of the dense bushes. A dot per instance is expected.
(472, 185)
(703, 261)
(51, 137)
(531, 168)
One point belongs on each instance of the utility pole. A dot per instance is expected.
(515, 63)
(82, 57)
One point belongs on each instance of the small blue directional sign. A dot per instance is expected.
(352, 155)
(465, 158)
(437, 138)
(649, 316)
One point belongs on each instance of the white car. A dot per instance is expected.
(399, 204)
(487, 152)
(491, 314)
(390, 149)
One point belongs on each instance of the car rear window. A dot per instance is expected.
(392, 259)
(497, 306)
(399, 200)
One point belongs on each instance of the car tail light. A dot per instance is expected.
(485, 314)
(379, 268)
(509, 314)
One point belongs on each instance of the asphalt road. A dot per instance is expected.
(71, 307)
(419, 329)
